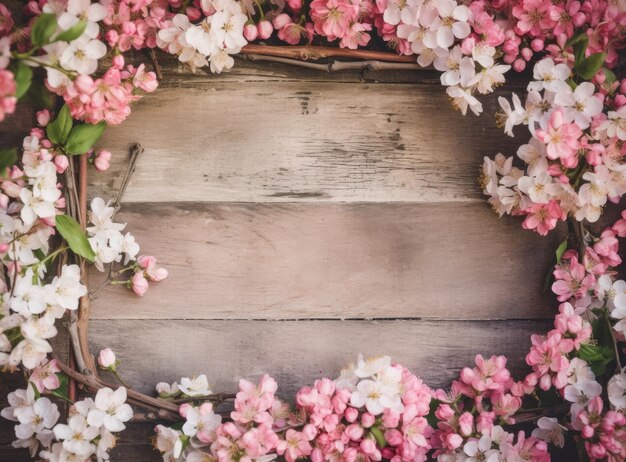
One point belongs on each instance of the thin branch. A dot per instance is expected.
(308, 52)
(333, 65)
(155, 64)
(135, 151)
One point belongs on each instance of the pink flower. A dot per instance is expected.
(7, 93)
(139, 284)
(572, 280)
(45, 377)
(542, 217)
(534, 17)
(294, 446)
(149, 264)
(332, 18)
(547, 358)
(562, 139)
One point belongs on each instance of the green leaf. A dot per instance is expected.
(609, 76)
(598, 357)
(83, 137)
(561, 250)
(72, 33)
(379, 436)
(590, 65)
(62, 391)
(580, 47)
(23, 75)
(8, 157)
(576, 39)
(75, 236)
(60, 128)
(431, 418)
(44, 27)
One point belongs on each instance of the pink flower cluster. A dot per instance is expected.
(350, 432)
(147, 270)
(133, 24)
(604, 434)
(7, 93)
(107, 98)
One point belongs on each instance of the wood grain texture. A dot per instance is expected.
(315, 260)
(294, 141)
(295, 353)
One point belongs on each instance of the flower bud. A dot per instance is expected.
(106, 359)
(184, 409)
(466, 424)
(43, 117)
(368, 446)
(61, 162)
(193, 13)
(139, 284)
(351, 414)
(102, 161)
(118, 61)
(367, 420)
(527, 53)
(250, 32)
(295, 5)
(454, 441)
(519, 65)
(537, 44)
(265, 29)
(393, 437)
(281, 21)
(206, 408)
(354, 432)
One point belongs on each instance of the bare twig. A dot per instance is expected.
(135, 151)
(155, 64)
(333, 65)
(308, 52)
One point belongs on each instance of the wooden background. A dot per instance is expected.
(305, 218)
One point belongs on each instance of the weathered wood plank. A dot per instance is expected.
(298, 352)
(316, 260)
(294, 141)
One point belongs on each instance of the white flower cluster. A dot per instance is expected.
(88, 432)
(28, 205)
(432, 28)
(212, 41)
(574, 160)
(106, 237)
(81, 55)
(375, 385)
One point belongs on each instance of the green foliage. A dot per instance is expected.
(588, 67)
(598, 357)
(63, 390)
(44, 27)
(431, 418)
(379, 436)
(82, 137)
(560, 250)
(75, 236)
(38, 96)
(60, 128)
(8, 157)
(23, 75)
(72, 33)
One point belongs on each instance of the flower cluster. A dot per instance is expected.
(574, 158)
(89, 430)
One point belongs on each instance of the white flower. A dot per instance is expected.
(35, 207)
(18, 399)
(453, 21)
(480, 450)
(221, 60)
(34, 348)
(549, 430)
(534, 154)
(580, 393)
(514, 115)
(36, 418)
(370, 367)
(458, 69)
(198, 386)
(541, 188)
(101, 216)
(168, 442)
(376, 396)
(579, 371)
(489, 78)
(82, 55)
(227, 27)
(77, 435)
(67, 289)
(105, 444)
(581, 103)
(615, 125)
(401, 10)
(200, 37)
(111, 410)
(165, 389)
(28, 298)
(550, 76)
(617, 390)
(462, 99)
(198, 422)
(85, 10)
(483, 54)
(607, 290)
(347, 378)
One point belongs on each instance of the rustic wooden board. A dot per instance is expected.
(298, 352)
(316, 260)
(321, 142)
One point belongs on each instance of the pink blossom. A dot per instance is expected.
(45, 377)
(106, 359)
(295, 445)
(7, 93)
(562, 139)
(139, 284)
(572, 280)
(543, 217)
(332, 18)
(102, 162)
(534, 17)
(151, 269)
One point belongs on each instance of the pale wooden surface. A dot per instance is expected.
(320, 142)
(337, 261)
(298, 352)
(275, 193)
